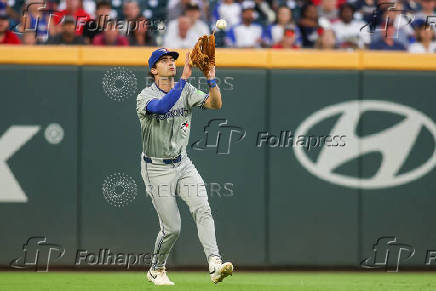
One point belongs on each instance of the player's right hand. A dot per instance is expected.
(187, 70)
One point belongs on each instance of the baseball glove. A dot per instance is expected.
(203, 54)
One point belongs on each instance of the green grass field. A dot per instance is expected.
(250, 281)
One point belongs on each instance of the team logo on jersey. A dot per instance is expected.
(395, 144)
(185, 126)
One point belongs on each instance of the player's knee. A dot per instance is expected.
(202, 212)
(173, 231)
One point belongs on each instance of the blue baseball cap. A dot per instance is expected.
(418, 23)
(157, 54)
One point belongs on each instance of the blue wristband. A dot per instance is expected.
(211, 83)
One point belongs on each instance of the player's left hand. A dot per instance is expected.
(187, 70)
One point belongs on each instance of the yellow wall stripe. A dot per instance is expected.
(246, 58)
(309, 59)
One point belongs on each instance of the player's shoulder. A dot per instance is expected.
(189, 88)
(146, 92)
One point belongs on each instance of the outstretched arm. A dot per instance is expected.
(163, 105)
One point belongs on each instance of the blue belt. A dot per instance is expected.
(165, 161)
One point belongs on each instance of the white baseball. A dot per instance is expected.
(221, 24)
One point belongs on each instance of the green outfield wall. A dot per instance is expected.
(276, 201)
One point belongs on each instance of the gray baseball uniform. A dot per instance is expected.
(166, 136)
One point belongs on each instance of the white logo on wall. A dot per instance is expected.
(119, 83)
(119, 189)
(394, 143)
(54, 133)
(11, 142)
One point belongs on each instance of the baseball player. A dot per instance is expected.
(164, 110)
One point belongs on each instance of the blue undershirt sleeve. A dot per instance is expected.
(163, 105)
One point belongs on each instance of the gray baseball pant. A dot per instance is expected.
(163, 183)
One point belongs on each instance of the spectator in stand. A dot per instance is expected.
(174, 30)
(177, 8)
(68, 34)
(35, 19)
(427, 9)
(230, 11)
(348, 30)
(73, 8)
(141, 35)
(308, 25)
(155, 9)
(7, 36)
(14, 15)
(227, 10)
(198, 26)
(288, 39)
(247, 34)
(387, 41)
(327, 9)
(326, 39)
(338, 2)
(394, 18)
(96, 26)
(274, 33)
(29, 38)
(424, 39)
(401, 22)
(89, 6)
(110, 36)
(365, 10)
(266, 15)
(181, 37)
(131, 12)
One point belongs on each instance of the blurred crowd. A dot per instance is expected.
(280, 24)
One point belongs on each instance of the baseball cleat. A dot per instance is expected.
(218, 271)
(159, 277)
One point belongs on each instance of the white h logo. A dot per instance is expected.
(394, 144)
